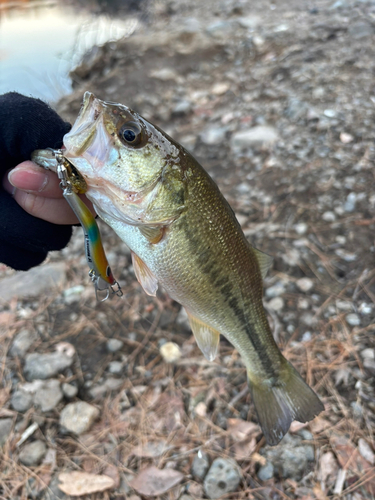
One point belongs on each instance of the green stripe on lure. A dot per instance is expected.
(72, 184)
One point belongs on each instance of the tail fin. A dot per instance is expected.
(288, 399)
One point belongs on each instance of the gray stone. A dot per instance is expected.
(276, 304)
(73, 294)
(21, 401)
(350, 202)
(33, 283)
(329, 216)
(291, 458)
(266, 472)
(111, 384)
(200, 465)
(249, 22)
(305, 284)
(275, 290)
(114, 345)
(42, 366)
(254, 137)
(49, 395)
(353, 319)
(70, 391)
(115, 367)
(222, 478)
(21, 343)
(182, 107)
(33, 453)
(213, 135)
(78, 417)
(6, 425)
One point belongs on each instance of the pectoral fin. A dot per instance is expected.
(144, 275)
(207, 338)
(153, 233)
(264, 261)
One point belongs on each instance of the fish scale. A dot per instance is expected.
(184, 236)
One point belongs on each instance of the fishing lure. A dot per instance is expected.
(72, 184)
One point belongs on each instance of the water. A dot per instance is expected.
(40, 42)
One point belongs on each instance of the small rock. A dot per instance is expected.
(34, 283)
(78, 417)
(164, 74)
(115, 367)
(220, 88)
(366, 451)
(305, 284)
(6, 425)
(73, 294)
(33, 453)
(222, 478)
(254, 137)
(42, 366)
(266, 472)
(170, 352)
(276, 304)
(111, 384)
(350, 202)
(329, 113)
(301, 228)
(182, 108)
(347, 256)
(275, 290)
(329, 216)
(249, 22)
(365, 308)
(200, 465)
(368, 353)
(23, 340)
(346, 138)
(21, 401)
(213, 135)
(353, 319)
(182, 319)
(290, 458)
(49, 395)
(70, 391)
(114, 345)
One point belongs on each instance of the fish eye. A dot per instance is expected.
(130, 133)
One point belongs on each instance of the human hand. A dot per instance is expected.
(38, 192)
(27, 233)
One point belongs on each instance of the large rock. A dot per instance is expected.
(47, 365)
(33, 453)
(222, 478)
(37, 281)
(49, 395)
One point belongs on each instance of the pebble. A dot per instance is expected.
(200, 465)
(213, 135)
(305, 284)
(33, 453)
(366, 451)
(301, 228)
(276, 304)
(350, 202)
(253, 137)
(21, 401)
(73, 294)
(368, 353)
(347, 256)
(114, 345)
(170, 352)
(164, 74)
(329, 216)
(249, 22)
(115, 367)
(42, 366)
(182, 319)
(49, 395)
(365, 308)
(182, 108)
(36, 282)
(291, 457)
(70, 391)
(275, 290)
(111, 384)
(6, 425)
(78, 417)
(353, 319)
(266, 472)
(222, 478)
(22, 342)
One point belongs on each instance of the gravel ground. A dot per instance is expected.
(114, 399)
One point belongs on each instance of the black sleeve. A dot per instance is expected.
(26, 124)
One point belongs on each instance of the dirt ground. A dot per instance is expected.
(302, 75)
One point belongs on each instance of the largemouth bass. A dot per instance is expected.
(184, 236)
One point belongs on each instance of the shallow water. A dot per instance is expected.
(40, 42)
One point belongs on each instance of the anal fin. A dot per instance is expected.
(145, 277)
(206, 337)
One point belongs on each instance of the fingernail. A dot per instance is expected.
(8, 186)
(27, 179)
